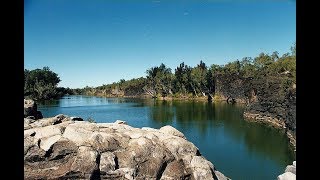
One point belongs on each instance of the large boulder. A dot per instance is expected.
(64, 148)
(60, 119)
(30, 110)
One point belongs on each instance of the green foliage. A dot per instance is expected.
(247, 68)
(41, 84)
(200, 80)
(159, 81)
(132, 87)
(263, 61)
(233, 67)
(182, 77)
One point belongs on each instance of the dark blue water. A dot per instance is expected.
(237, 148)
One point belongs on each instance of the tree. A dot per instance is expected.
(182, 76)
(121, 83)
(210, 81)
(246, 67)
(159, 81)
(233, 67)
(199, 79)
(264, 65)
(41, 83)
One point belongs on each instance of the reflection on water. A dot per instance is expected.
(49, 103)
(240, 149)
(162, 112)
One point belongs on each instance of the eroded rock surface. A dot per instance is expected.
(65, 148)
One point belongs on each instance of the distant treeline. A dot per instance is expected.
(199, 81)
(184, 82)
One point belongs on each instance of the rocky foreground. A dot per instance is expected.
(63, 147)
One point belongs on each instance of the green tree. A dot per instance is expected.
(121, 82)
(247, 68)
(233, 67)
(199, 79)
(182, 76)
(159, 81)
(41, 83)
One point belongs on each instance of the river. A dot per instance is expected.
(237, 148)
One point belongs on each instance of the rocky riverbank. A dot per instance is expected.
(275, 108)
(65, 147)
(271, 101)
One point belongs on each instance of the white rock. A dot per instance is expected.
(287, 176)
(290, 168)
(79, 132)
(46, 143)
(201, 168)
(85, 161)
(149, 129)
(125, 152)
(171, 130)
(200, 162)
(120, 122)
(102, 141)
(47, 131)
(221, 176)
(133, 134)
(107, 162)
(178, 146)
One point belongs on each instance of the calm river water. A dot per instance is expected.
(237, 148)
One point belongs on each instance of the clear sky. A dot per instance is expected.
(102, 41)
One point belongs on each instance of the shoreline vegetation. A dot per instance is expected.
(266, 84)
(41, 84)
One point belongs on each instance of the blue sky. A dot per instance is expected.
(99, 42)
